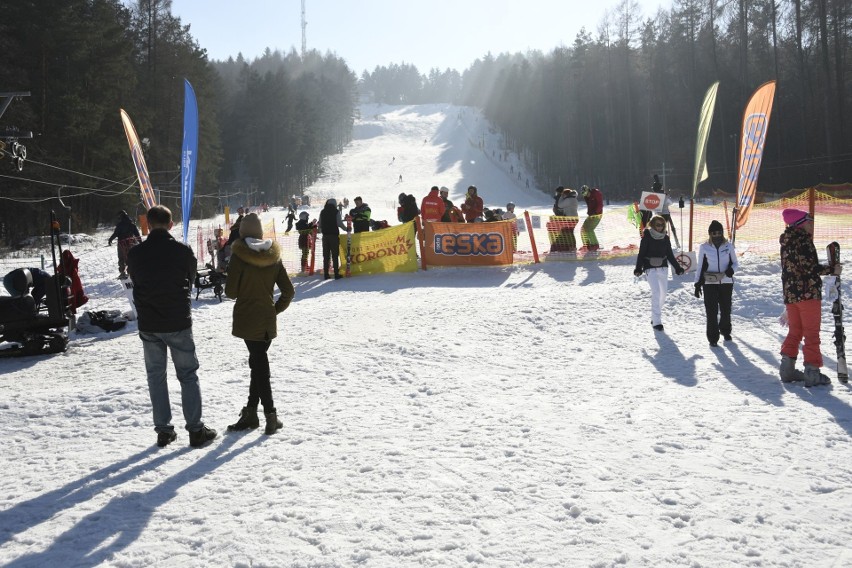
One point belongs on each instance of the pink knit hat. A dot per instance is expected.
(794, 217)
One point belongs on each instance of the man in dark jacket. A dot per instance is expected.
(329, 222)
(360, 216)
(235, 228)
(162, 271)
(127, 236)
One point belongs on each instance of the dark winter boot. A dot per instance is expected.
(248, 420)
(272, 422)
(814, 378)
(789, 373)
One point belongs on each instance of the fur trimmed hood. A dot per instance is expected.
(254, 256)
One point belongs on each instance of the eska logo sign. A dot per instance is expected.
(470, 244)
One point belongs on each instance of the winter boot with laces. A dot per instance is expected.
(272, 422)
(814, 378)
(789, 374)
(248, 420)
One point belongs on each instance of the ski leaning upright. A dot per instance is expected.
(837, 310)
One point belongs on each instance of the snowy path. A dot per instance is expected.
(519, 416)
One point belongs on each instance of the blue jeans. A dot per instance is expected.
(182, 347)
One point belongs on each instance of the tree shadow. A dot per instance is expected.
(671, 362)
(98, 536)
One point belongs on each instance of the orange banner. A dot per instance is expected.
(145, 187)
(753, 139)
(468, 244)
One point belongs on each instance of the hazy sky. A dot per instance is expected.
(368, 33)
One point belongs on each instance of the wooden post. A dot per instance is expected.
(418, 231)
(691, 219)
(313, 251)
(532, 237)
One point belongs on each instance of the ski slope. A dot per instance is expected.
(516, 416)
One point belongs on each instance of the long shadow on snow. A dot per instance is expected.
(388, 283)
(123, 519)
(30, 513)
(455, 277)
(824, 398)
(747, 376)
(671, 362)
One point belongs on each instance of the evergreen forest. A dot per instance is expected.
(618, 105)
(265, 126)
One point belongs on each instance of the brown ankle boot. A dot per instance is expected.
(272, 422)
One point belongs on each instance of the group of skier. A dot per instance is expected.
(717, 263)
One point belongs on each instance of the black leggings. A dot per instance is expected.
(717, 298)
(331, 250)
(260, 389)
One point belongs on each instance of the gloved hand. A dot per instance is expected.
(729, 272)
(109, 243)
(637, 272)
(679, 270)
(698, 287)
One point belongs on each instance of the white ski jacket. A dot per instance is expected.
(718, 261)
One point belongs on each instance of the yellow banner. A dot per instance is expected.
(386, 250)
(704, 123)
(468, 244)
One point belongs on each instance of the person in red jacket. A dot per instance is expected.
(594, 212)
(432, 207)
(68, 267)
(472, 206)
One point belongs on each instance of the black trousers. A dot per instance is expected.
(260, 389)
(331, 250)
(717, 305)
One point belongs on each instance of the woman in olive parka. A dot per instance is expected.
(254, 270)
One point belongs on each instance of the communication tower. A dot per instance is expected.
(304, 27)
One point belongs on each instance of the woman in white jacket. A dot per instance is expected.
(717, 263)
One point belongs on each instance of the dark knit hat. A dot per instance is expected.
(715, 226)
(251, 227)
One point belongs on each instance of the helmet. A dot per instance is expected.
(444, 189)
(303, 215)
(401, 197)
(510, 206)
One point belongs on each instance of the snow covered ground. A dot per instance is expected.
(517, 416)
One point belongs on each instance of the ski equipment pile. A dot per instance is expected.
(837, 310)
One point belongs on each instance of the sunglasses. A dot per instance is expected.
(716, 233)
